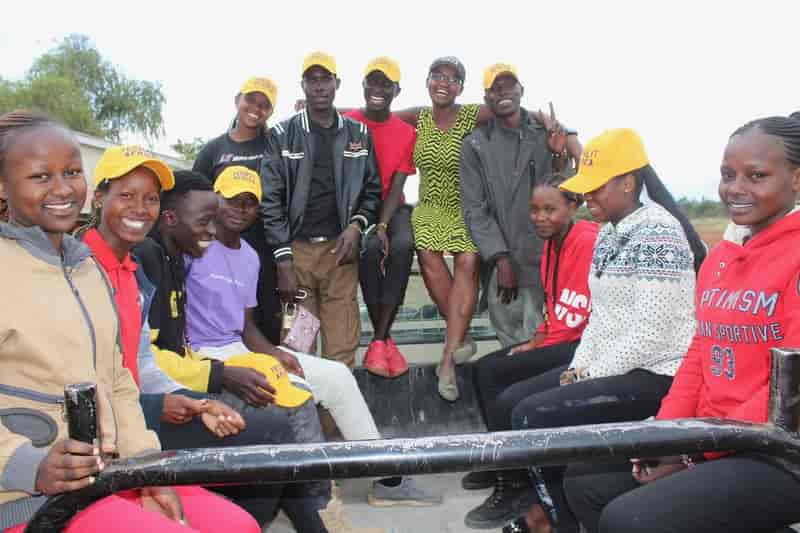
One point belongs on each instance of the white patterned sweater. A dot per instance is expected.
(642, 284)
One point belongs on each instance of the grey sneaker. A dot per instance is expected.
(406, 493)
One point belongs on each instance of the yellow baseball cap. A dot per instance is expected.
(264, 86)
(287, 394)
(386, 65)
(493, 71)
(320, 59)
(236, 180)
(119, 160)
(612, 153)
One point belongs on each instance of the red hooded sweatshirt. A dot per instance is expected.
(566, 275)
(748, 301)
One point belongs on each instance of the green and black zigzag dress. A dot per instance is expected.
(437, 220)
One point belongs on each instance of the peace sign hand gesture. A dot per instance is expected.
(556, 135)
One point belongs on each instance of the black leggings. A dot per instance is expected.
(390, 289)
(743, 493)
(270, 425)
(632, 396)
(501, 375)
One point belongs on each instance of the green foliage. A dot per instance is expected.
(55, 95)
(76, 85)
(703, 208)
(189, 149)
(694, 209)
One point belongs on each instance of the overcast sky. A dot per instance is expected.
(685, 74)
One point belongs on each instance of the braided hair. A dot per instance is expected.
(787, 128)
(656, 190)
(555, 180)
(11, 125)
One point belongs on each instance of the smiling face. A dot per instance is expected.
(42, 180)
(444, 86)
(238, 213)
(129, 208)
(191, 224)
(252, 110)
(551, 212)
(319, 86)
(504, 96)
(758, 184)
(379, 91)
(614, 200)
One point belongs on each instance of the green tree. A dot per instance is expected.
(189, 149)
(74, 83)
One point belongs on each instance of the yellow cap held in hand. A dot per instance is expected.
(384, 64)
(236, 180)
(264, 86)
(319, 59)
(612, 153)
(287, 394)
(117, 161)
(494, 71)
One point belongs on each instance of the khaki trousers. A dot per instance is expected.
(332, 297)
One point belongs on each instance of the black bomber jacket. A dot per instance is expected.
(286, 178)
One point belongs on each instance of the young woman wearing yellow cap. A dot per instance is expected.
(244, 144)
(128, 184)
(641, 282)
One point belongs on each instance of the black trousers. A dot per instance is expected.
(390, 289)
(632, 396)
(502, 380)
(300, 501)
(267, 313)
(742, 493)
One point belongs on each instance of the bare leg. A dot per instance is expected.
(463, 298)
(437, 278)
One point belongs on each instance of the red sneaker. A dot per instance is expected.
(397, 362)
(376, 359)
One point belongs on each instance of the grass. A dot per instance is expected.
(710, 229)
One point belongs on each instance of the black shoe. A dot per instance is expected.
(479, 480)
(500, 507)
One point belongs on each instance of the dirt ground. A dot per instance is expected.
(710, 229)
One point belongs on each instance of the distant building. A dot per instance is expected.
(93, 147)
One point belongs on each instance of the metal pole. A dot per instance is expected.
(784, 394)
(430, 455)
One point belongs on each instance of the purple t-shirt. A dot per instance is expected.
(219, 287)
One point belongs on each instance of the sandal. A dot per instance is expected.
(447, 390)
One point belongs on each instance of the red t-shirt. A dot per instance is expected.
(394, 146)
(126, 296)
(568, 311)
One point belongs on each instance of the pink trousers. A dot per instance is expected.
(122, 513)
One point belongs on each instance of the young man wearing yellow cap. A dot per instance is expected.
(244, 144)
(221, 289)
(385, 267)
(322, 189)
(500, 162)
(127, 181)
(186, 232)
